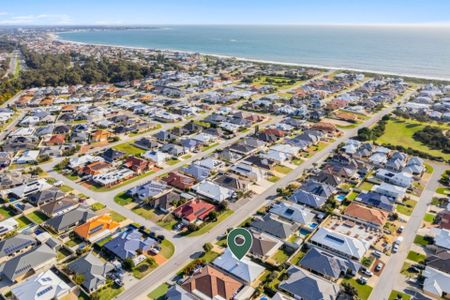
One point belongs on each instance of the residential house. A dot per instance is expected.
(63, 223)
(138, 165)
(372, 216)
(110, 155)
(149, 190)
(100, 136)
(129, 244)
(342, 244)
(327, 264)
(232, 182)
(166, 202)
(26, 264)
(42, 197)
(194, 210)
(94, 271)
(377, 200)
(306, 286)
(402, 179)
(264, 246)
(248, 171)
(45, 285)
(15, 245)
(244, 269)
(306, 198)
(27, 157)
(97, 228)
(273, 226)
(390, 190)
(178, 293)
(179, 181)
(198, 172)
(212, 283)
(8, 225)
(293, 212)
(436, 283)
(59, 207)
(213, 191)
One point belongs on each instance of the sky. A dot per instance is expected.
(249, 12)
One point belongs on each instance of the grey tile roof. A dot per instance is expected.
(72, 218)
(127, 244)
(15, 243)
(274, 227)
(93, 269)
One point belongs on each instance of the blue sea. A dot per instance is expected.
(415, 51)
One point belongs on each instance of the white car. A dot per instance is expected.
(366, 272)
(395, 248)
(379, 267)
(362, 280)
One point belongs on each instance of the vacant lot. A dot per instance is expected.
(129, 148)
(400, 132)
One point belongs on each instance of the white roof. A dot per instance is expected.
(436, 282)
(441, 237)
(43, 286)
(213, 191)
(341, 243)
(244, 269)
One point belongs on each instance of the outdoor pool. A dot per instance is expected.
(340, 198)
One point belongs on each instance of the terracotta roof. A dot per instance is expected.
(179, 180)
(361, 212)
(95, 226)
(212, 282)
(194, 209)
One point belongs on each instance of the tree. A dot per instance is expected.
(128, 264)
(207, 247)
(212, 216)
(78, 278)
(350, 290)
(364, 134)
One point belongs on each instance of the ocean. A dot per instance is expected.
(413, 51)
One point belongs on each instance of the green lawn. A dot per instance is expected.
(417, 257)
(366, 186)
(273, 178)
(37, 217)
(405, 270)
(23, 221)
(363, 289)
(142, 269)
(443, 190)
(404, 210)
(167, 249)
(104, 241)
(108, 292)
(297, 161)
(352, 196)
(123, 199)
(186, 156)
(116, 216)
(209, 256)
(167, 222)
(7, 212)
(421, 240)
(282, 169)
(205, 148)
(172, 161)
(400, 132)
(97, 206)
(210, 225)
(398, 295)
(280, 256)
(129, 149)
(66, 188)
(429, 217)
(159, 292)
(429, 169)
(297, 257)
(147, 213)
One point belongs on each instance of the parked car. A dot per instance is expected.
(362, 280)
(376, 253)
(400, 229)
(366, 272)
(379, 267)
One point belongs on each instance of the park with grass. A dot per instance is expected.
(399, 132)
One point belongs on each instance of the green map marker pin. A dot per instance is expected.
(239, 241)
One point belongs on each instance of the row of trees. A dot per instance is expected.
(367, 134)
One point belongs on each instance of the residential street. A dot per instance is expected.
(186, 247)
(392, 270)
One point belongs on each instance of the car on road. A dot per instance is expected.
(395, 248)
(379, 267)
(362, 280)
(366, 272)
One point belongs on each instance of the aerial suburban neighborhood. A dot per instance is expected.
(121, 178)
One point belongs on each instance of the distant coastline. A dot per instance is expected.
(57, 37)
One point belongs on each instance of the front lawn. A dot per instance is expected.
(145, 267)
(366, 186)
(352, 196)
(404, 210)
(23, 221)
(429, 218)
(123, 199)
(172, 161)
(205, 148)
(97, 206)
(417, 257)
(108, 292)
(363, 289)
(65, 188)
(443, 190)
(159, 292)
(398, 295)
(273, 178)
(6, 212)
(209, 256)
(421, 240)
(280, 256)
(282, 169)
(209, 225)
(129, 149)
(37, 217)
(167, 249)
(147, 213)
(116, 216)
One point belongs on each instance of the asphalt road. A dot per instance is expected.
(392, 269)
(187, 248)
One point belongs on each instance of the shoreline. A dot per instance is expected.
(55, 37)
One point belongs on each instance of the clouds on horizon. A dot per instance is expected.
(41, 19)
